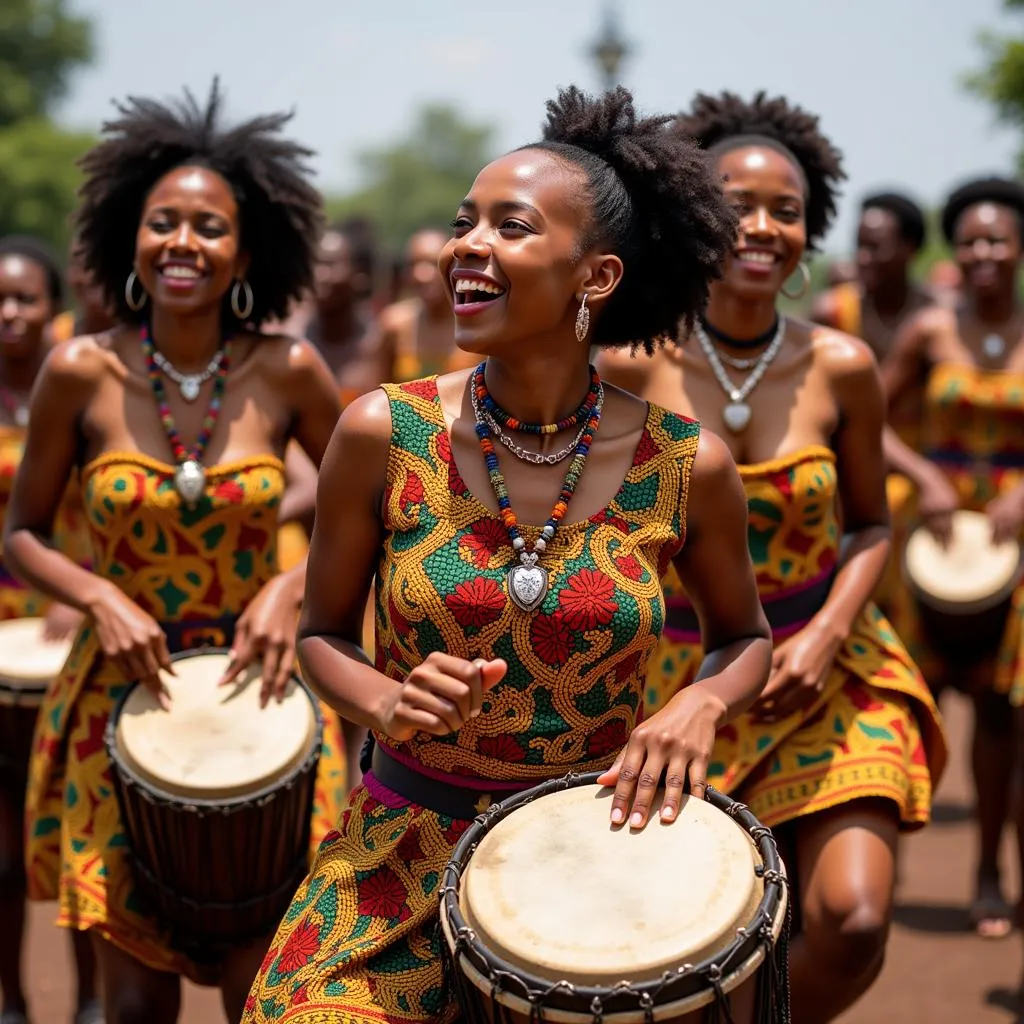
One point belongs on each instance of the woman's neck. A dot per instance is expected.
(188, 342)
(740, 318)
(993, 309)
(543, 390)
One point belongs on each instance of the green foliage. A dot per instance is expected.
(418, 181)
(40, 45)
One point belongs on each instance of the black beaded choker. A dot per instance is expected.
(724, 339)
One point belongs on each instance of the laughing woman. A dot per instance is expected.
(842, 749)
(608, 232)
(178, 421)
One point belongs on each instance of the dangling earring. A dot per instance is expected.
(129, 294)
(805, 272)
(583, 321)
(242, 314)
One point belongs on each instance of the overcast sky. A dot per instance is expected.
(885, 75)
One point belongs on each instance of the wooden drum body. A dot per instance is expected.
(548, 910)
(964, 591)
(28, 663)
(215, 797)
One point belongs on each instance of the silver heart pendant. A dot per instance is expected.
(190, 479)
(736, 416)
(527, 585)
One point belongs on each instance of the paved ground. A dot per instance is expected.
(937, 973)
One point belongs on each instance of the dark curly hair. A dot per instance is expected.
(909, 216)
(39, 252)
(655, 200)
(1001, 191)
(714, 120)
(279, 210)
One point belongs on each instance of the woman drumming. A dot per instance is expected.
(177, 421)
(31, 295)
(840, 752)
(973, 444)
(608, 231)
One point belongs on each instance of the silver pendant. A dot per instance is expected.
(190, 480)
(736, 415)
(21, 416)
(189, 386)
(993, 346)
(527, 582)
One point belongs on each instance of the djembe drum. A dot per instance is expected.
(216, 796)
(551, 914)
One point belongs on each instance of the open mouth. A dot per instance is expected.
(475, 294)
(180, 275)
(757, 259)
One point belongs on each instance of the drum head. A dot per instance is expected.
(27, 661)
(556, 891)
(215, 742)
(970, 571)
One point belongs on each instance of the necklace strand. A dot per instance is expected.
(189, 384)
(510, 422)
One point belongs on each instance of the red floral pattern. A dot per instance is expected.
(608, 738)
(503, 747)
(382, 895)
(298, 950)
(486, 537)
(552, 638)
(477, 603)
(586, 601)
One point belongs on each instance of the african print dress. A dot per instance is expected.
(974, 430)
(875, 730)
(194, 570)
(360, 941)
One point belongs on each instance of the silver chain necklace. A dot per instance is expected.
(188, 383)
(736, 413)
(536, 458)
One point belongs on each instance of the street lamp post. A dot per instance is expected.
(610, 49)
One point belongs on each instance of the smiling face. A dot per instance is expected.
(187, 247)
(25, 306)
(513, 268)
(883, 254)
(987, 242)
(768, 193)
(334, 274)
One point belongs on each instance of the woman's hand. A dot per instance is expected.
(439, 695)
(678, 741)
(937, 500)
(61, 622)
(1006, 516)
(800, 668)
(132, 639)
(267, 629)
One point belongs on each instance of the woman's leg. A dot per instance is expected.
(132, 992)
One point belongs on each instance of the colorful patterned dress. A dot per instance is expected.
(194, 570)
(359, 942)
(974, 430)
(874, 732)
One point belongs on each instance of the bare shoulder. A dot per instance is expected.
(713, 464)
(841, 355)
(366, 422)
(79, 364)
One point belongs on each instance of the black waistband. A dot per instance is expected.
(445, 798)
(783, 613)
(973, 460)
(189, 634)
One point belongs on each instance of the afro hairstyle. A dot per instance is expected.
(909, 216)
(39, 252)
(1001, 191)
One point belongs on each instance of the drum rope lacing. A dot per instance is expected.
(773, 999)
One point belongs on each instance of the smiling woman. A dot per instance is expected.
(518, 600)
(177, 421)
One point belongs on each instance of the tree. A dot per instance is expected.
(41, 44)
(418, 181)
(1001, 81)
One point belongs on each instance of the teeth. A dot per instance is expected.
(757, 257)
(187, 273)
(472, 284)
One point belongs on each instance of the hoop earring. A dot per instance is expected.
(805, 272)
(242, 314)
(583, 321)
(129, 294)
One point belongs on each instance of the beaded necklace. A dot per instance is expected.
(528, 581)
(578, 418)
(190, 477)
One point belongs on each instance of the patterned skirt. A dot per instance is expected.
(361, 940)
(76, 850)
(874, 732)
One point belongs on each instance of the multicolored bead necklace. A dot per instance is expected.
(190, 478)
(528, 581)
(579, 417)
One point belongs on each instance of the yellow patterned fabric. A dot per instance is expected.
(875, 731)
(360, 941)
(201, 565)
(974, 430)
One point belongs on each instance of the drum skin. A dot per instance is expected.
(218, 872)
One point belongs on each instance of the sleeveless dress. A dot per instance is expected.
(359, 942)
(974, 431)
(875, 730)
(194, 570)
